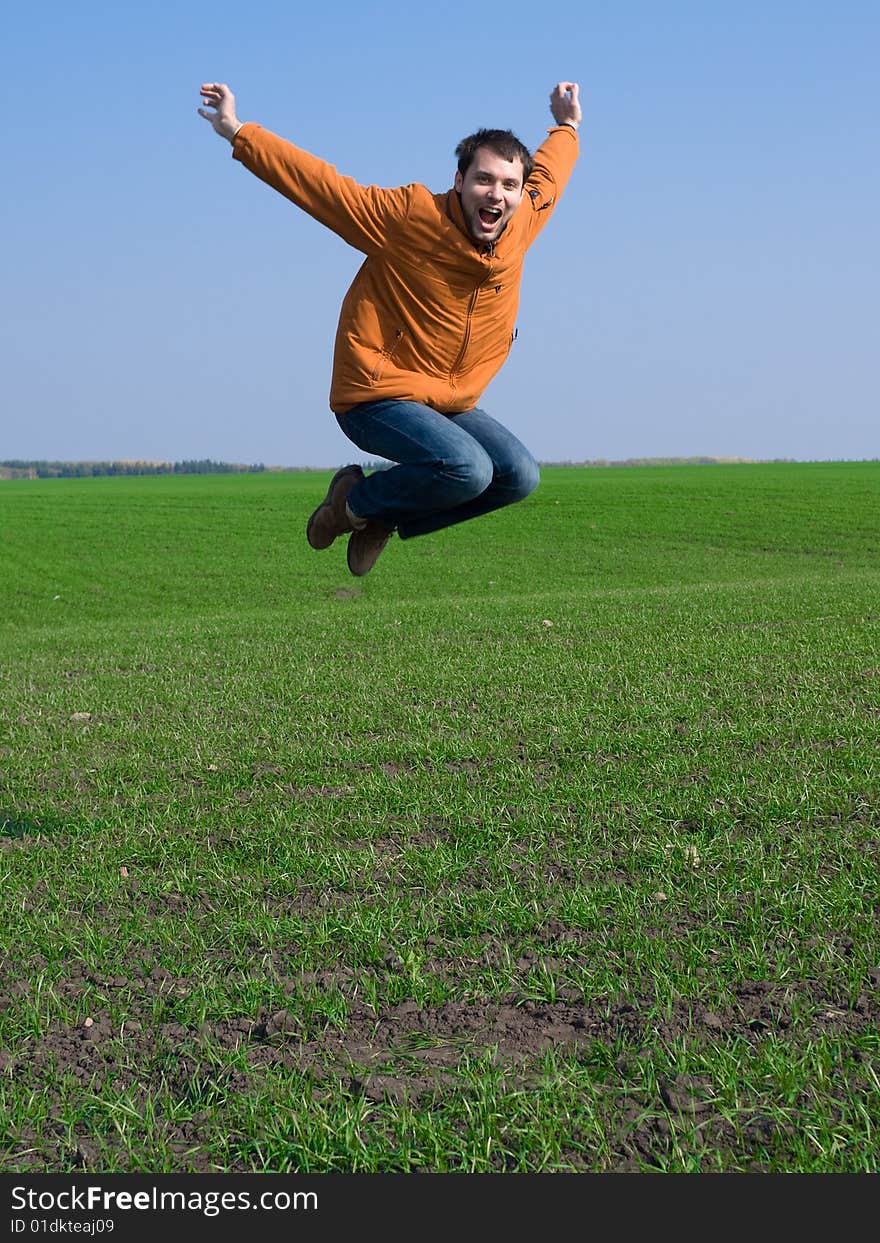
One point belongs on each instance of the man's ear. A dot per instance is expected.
(458, 183)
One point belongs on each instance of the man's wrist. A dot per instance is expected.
(573, 124)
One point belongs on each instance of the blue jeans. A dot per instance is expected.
(451, 467)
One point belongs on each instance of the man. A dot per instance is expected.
(427, 322)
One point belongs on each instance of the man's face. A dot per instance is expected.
(491, 191)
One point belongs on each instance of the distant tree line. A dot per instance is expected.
(15, 469)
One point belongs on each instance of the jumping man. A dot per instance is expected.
(427, 322)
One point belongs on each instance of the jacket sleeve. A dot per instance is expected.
(553, 162)
(364, 216)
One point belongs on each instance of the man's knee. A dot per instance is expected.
(472, 474)
(522, 479)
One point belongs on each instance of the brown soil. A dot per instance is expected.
(403, 1052)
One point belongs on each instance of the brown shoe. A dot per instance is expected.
(330, 518)
(365, 545)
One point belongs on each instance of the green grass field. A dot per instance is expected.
(553, 844)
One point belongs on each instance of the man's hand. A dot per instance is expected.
(564, 104)
(218, 96)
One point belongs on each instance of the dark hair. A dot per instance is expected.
(501, 141)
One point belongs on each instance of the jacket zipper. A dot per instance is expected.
(470, 311)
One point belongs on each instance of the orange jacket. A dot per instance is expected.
(430, 315)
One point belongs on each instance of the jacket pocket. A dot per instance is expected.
(385, 355)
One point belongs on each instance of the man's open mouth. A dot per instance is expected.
(490, 216)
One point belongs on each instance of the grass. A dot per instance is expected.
(551, 845)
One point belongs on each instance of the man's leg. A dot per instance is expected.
(440, 467)
(515, 475)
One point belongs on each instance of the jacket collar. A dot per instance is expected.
(456, 215)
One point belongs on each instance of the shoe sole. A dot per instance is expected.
(340, 474)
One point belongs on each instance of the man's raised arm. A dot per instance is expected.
(364, 216)
(556, 156)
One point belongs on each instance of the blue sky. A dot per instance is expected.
(708, 285)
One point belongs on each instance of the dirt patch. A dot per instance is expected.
(405, 1053)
